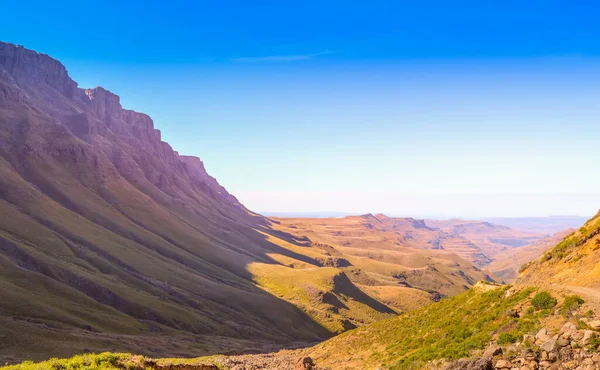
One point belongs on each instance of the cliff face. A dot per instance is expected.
(96, 117)
(104, 228)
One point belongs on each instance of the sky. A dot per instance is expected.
(424, 109)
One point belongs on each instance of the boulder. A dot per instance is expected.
(549, 345)
(304, 363)
(484, 363)
(545, 364)
(594, 324)
(492, 350)
(503, 364)
(587, 336)
(568, 327)
(542, 333)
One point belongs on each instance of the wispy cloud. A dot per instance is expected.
(280, 58)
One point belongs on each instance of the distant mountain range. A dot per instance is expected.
(545, 225)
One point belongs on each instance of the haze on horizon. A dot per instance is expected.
(405, 109)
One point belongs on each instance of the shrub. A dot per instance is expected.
(571, 304)
(523, 267)
(506, 338)
(543, 300)
(594, 343)
(530, 311)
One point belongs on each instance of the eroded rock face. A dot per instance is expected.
(126, 137)
(29, 67)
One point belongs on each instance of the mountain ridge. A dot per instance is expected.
(95, 205)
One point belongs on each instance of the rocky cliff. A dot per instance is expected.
(108, 235)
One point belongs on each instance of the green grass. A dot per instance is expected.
(571, 303)
(506, 338)
(543, 301)
(575, 239)
(102, 361)
(315, 292)
(110, 361)
(449, 329)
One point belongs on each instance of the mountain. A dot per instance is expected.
(393, 259)
(507, 264)
(491, 239)
(548, 320)
(111, 239)
(545, 225)
(575, 261)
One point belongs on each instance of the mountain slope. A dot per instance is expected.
(391, 258)
(105, 229)
(575, 261)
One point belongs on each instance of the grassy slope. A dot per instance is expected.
(376, 258)
(448, 329)
(452, 328)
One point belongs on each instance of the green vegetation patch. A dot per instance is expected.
(570, 304)
(543, 301)
(102, 361)
(506, 338)
(450, 329)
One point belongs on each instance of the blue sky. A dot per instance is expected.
(429, 108)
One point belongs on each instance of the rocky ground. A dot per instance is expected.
(571, 347)
(282, 360)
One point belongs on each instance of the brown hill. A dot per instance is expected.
(392, 258)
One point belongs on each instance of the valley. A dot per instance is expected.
(112, 241)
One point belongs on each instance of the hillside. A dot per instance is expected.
(487, 327)
(575, 261)
(111, 239)
(390, 259)
(507, 264)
